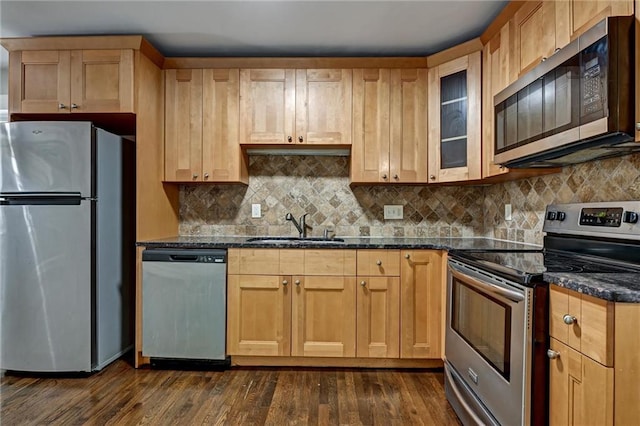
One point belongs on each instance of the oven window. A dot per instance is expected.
(484, 323)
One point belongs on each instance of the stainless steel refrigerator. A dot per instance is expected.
(66, 247)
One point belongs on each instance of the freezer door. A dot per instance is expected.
(45, 156)
(46, 287)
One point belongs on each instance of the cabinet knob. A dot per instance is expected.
(195, 176)
(432, 177)
(285, 282)
(544, 58)
(569, 319)
(407, 256)
(551, 354)
(384, 176)
(289, 139)
(297, 282)
(638, 125)
(395, 177)
(206, 175)
(300, 139)
(379, 262)
(363, 283)
(62, 106)
(74, 106)
(501, 167)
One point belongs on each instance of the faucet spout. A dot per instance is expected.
(300, 226)
(290, 217)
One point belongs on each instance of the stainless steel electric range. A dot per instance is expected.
(496, 336)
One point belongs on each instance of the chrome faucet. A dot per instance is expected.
(302, 226)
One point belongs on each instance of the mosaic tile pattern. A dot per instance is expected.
(615, 179)
(320, 186)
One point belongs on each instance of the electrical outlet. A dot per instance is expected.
(256, 210)
(392, 211)
(507, 212)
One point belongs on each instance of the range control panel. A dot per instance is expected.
(601, 217)
(608, 220)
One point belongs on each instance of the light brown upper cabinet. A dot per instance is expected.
(390, 126)
(201, 126)
(574, 17)
(534, 31)
(495, 77)
(286, 106)
(454, 120)
(67, 81)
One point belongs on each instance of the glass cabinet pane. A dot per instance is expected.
(453, 120)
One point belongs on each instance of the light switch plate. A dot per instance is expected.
(256, 210)
(393, 211)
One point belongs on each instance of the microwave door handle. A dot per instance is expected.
(512, 295)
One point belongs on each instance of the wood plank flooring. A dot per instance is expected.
(122, 395)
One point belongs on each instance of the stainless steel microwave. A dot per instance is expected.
(576, 106)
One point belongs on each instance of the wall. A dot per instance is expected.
(320, 186)
(615, 179)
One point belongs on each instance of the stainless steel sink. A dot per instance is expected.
(294, 240)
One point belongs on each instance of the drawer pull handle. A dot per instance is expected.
(569, 319)
(407, 256)
(285, 282)
(297, 282)
(551, 354)
(363, 283)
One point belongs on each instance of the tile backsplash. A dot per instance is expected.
(320, 186)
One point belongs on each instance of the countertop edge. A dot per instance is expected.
(624, 288)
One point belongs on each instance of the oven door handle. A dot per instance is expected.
(512, 295)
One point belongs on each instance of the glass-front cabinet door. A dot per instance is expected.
(454, 120)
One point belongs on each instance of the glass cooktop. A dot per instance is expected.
(528, 266)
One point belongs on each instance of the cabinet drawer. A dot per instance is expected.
(254, 261)
(379, 263)
(330, 262)
(582, 322)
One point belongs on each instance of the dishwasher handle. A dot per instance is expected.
(185, 255)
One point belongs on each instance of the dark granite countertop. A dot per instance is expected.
(612, 287)
(191, 242)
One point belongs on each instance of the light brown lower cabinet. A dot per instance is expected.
(378, 324)
(580, 389)
(422, 283)
(390, 310)
(594, 366)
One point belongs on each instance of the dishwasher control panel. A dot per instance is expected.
(187, 255)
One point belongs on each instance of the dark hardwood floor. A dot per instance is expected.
(121, 394)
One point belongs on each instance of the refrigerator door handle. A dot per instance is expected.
(40, 198)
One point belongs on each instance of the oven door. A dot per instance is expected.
(487, 342)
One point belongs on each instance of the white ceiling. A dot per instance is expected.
(262, 28)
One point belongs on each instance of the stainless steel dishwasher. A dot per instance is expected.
(184, 304)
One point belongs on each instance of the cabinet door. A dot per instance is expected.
(495, 78)
(409, 126)
(323, 106)
(580, 389)
(267, 106)
(183, 125)
(454, 120)
(378, 310)
(222, 158)
(39, 81)
(102, 80)
(583, 14)
(422, 283)
(258, 315)
(534, 28)
(324, 316)
(370, 147)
